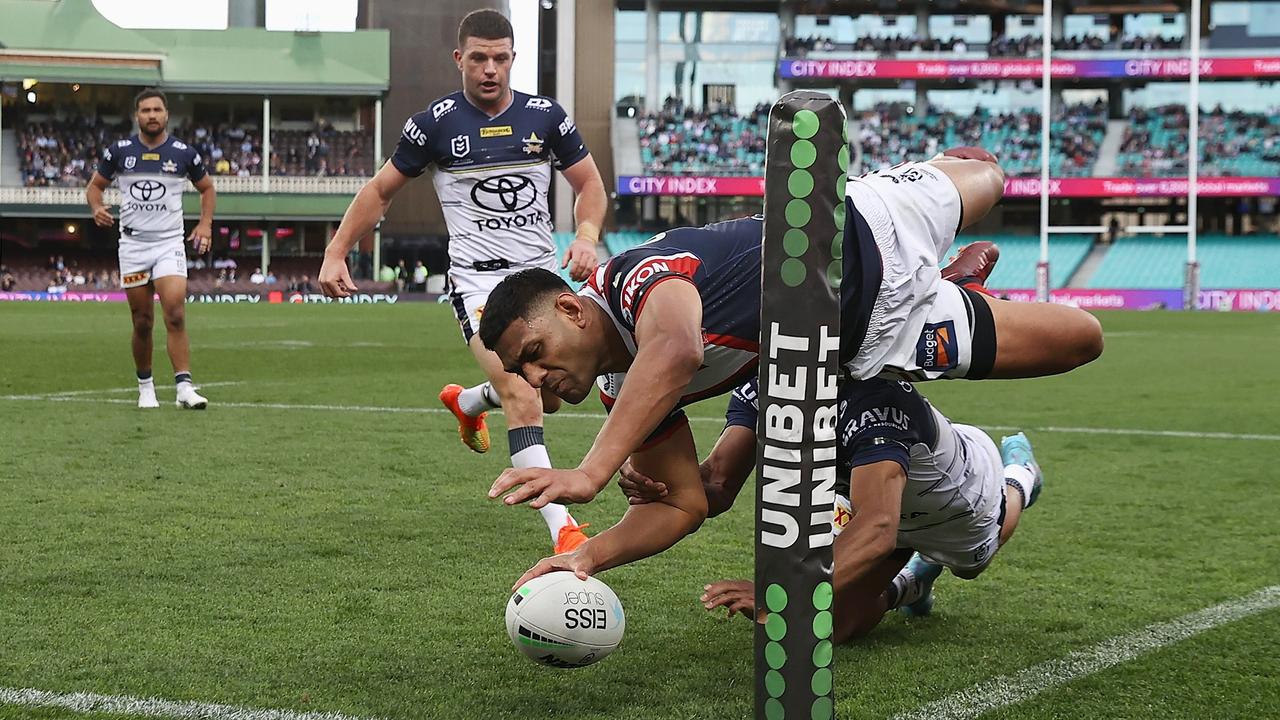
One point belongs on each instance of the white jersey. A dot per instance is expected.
(492, 175)
(151, 184)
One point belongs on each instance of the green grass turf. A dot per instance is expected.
(335, 560)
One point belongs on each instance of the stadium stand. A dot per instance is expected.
(679, 141)
(997, 46)
(1020, 253)
(1248, 261)
(65, 152)
(1231, 143)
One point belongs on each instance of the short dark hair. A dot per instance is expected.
(149, 93)
(484, 24)
(515, 298)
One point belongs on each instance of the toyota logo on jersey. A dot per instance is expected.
(147, 190)
(504, 193)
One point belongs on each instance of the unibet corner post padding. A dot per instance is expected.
(805, 167)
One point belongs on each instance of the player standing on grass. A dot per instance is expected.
(152, 169)
(492, 150)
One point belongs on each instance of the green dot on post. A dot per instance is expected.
(775, 627)
(775, 598)
(834, 273)
(839, 215)
(822, 709)
(842, 158)
(798, 213)
(774, 684)
(775, 655)
(821, 684)
(800, 183)
(773, 709)
(793, 272)
(805, 124)
(822, 624)
(803, 153)
(795, 242)
(837, 245)
(822, 653)
(822, 596)
(841, 182)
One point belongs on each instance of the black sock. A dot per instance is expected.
(180, 378)
(144, 375)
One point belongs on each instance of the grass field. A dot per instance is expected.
(319, 541)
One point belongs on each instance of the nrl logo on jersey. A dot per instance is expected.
(532, 144)
(441, 108)
(460, 146)
(538, 103)
(169, 166)
(130, 161)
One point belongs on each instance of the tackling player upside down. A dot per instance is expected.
(677, 319)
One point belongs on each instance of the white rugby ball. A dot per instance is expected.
(558, 620)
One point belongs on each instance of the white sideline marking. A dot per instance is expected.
(1023, 685)
(74, 393)
(153, 707)
(75, 397)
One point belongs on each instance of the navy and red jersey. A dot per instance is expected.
(722, 261)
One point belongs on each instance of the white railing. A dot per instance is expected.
(279, 184)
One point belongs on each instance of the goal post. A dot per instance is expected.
(807, 159)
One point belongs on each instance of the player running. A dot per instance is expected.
(491, 150)
(909, 479)
(152, 169)
(677, 320)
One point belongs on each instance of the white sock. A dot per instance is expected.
(1023, 478)
(904, 589)
(475, 400)
(148, 384)
(529, 450)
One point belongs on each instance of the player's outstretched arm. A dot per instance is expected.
(875, 491)
(668, 354)
(93, 195)
(723, 472)
(979, 178)
(645, 529)
(366, 209)
(588, 214)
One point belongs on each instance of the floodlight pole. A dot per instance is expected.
(266, 144)
(1191, 288)
(1046, 88)
(377, 155)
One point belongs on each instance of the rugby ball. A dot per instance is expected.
(558, 620)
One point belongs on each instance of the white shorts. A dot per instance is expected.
(142, 261)
(919, 327)
(966, 545)
(469, 291)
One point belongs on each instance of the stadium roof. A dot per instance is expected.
(69, 41)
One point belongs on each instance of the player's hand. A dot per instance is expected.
(335, 280)
(638, 487)
(102, 217)
(967, 152)
(201, 238)
(575, 562)
(581, 259)
(739, 596)
(539, 486)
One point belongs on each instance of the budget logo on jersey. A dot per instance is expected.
(441, 108)
(538, 103)
(499, 131)
(460, 146)
(936, 349)
(681, 263)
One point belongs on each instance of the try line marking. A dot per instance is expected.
(79, 396)
(153, 707)
(1026, 684)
